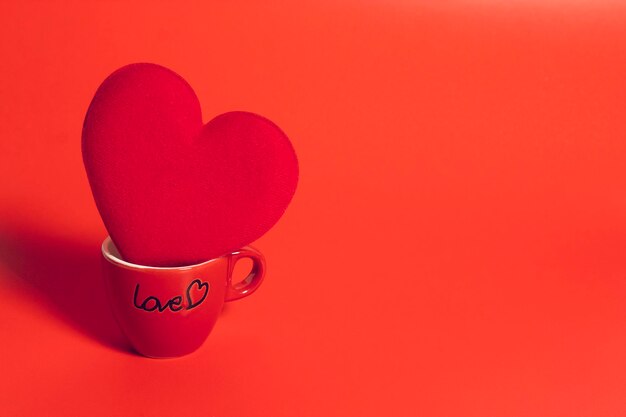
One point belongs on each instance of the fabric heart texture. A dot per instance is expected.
(171, 190)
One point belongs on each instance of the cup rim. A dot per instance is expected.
(108, 254)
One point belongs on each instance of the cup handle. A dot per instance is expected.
(254, 278)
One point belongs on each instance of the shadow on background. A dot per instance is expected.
(65, 277)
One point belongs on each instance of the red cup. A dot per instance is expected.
(169, 312)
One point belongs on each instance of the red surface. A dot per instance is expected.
(455, 247)
(172, 191)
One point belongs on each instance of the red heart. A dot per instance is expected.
(170, 190)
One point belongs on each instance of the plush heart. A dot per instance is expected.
(172, 191)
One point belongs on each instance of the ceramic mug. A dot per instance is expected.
(167, 312)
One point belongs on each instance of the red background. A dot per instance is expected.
(455, 247)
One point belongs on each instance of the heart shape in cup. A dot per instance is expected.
(170, 190)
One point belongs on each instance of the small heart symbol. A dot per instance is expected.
(201, 285)
(170, 190)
